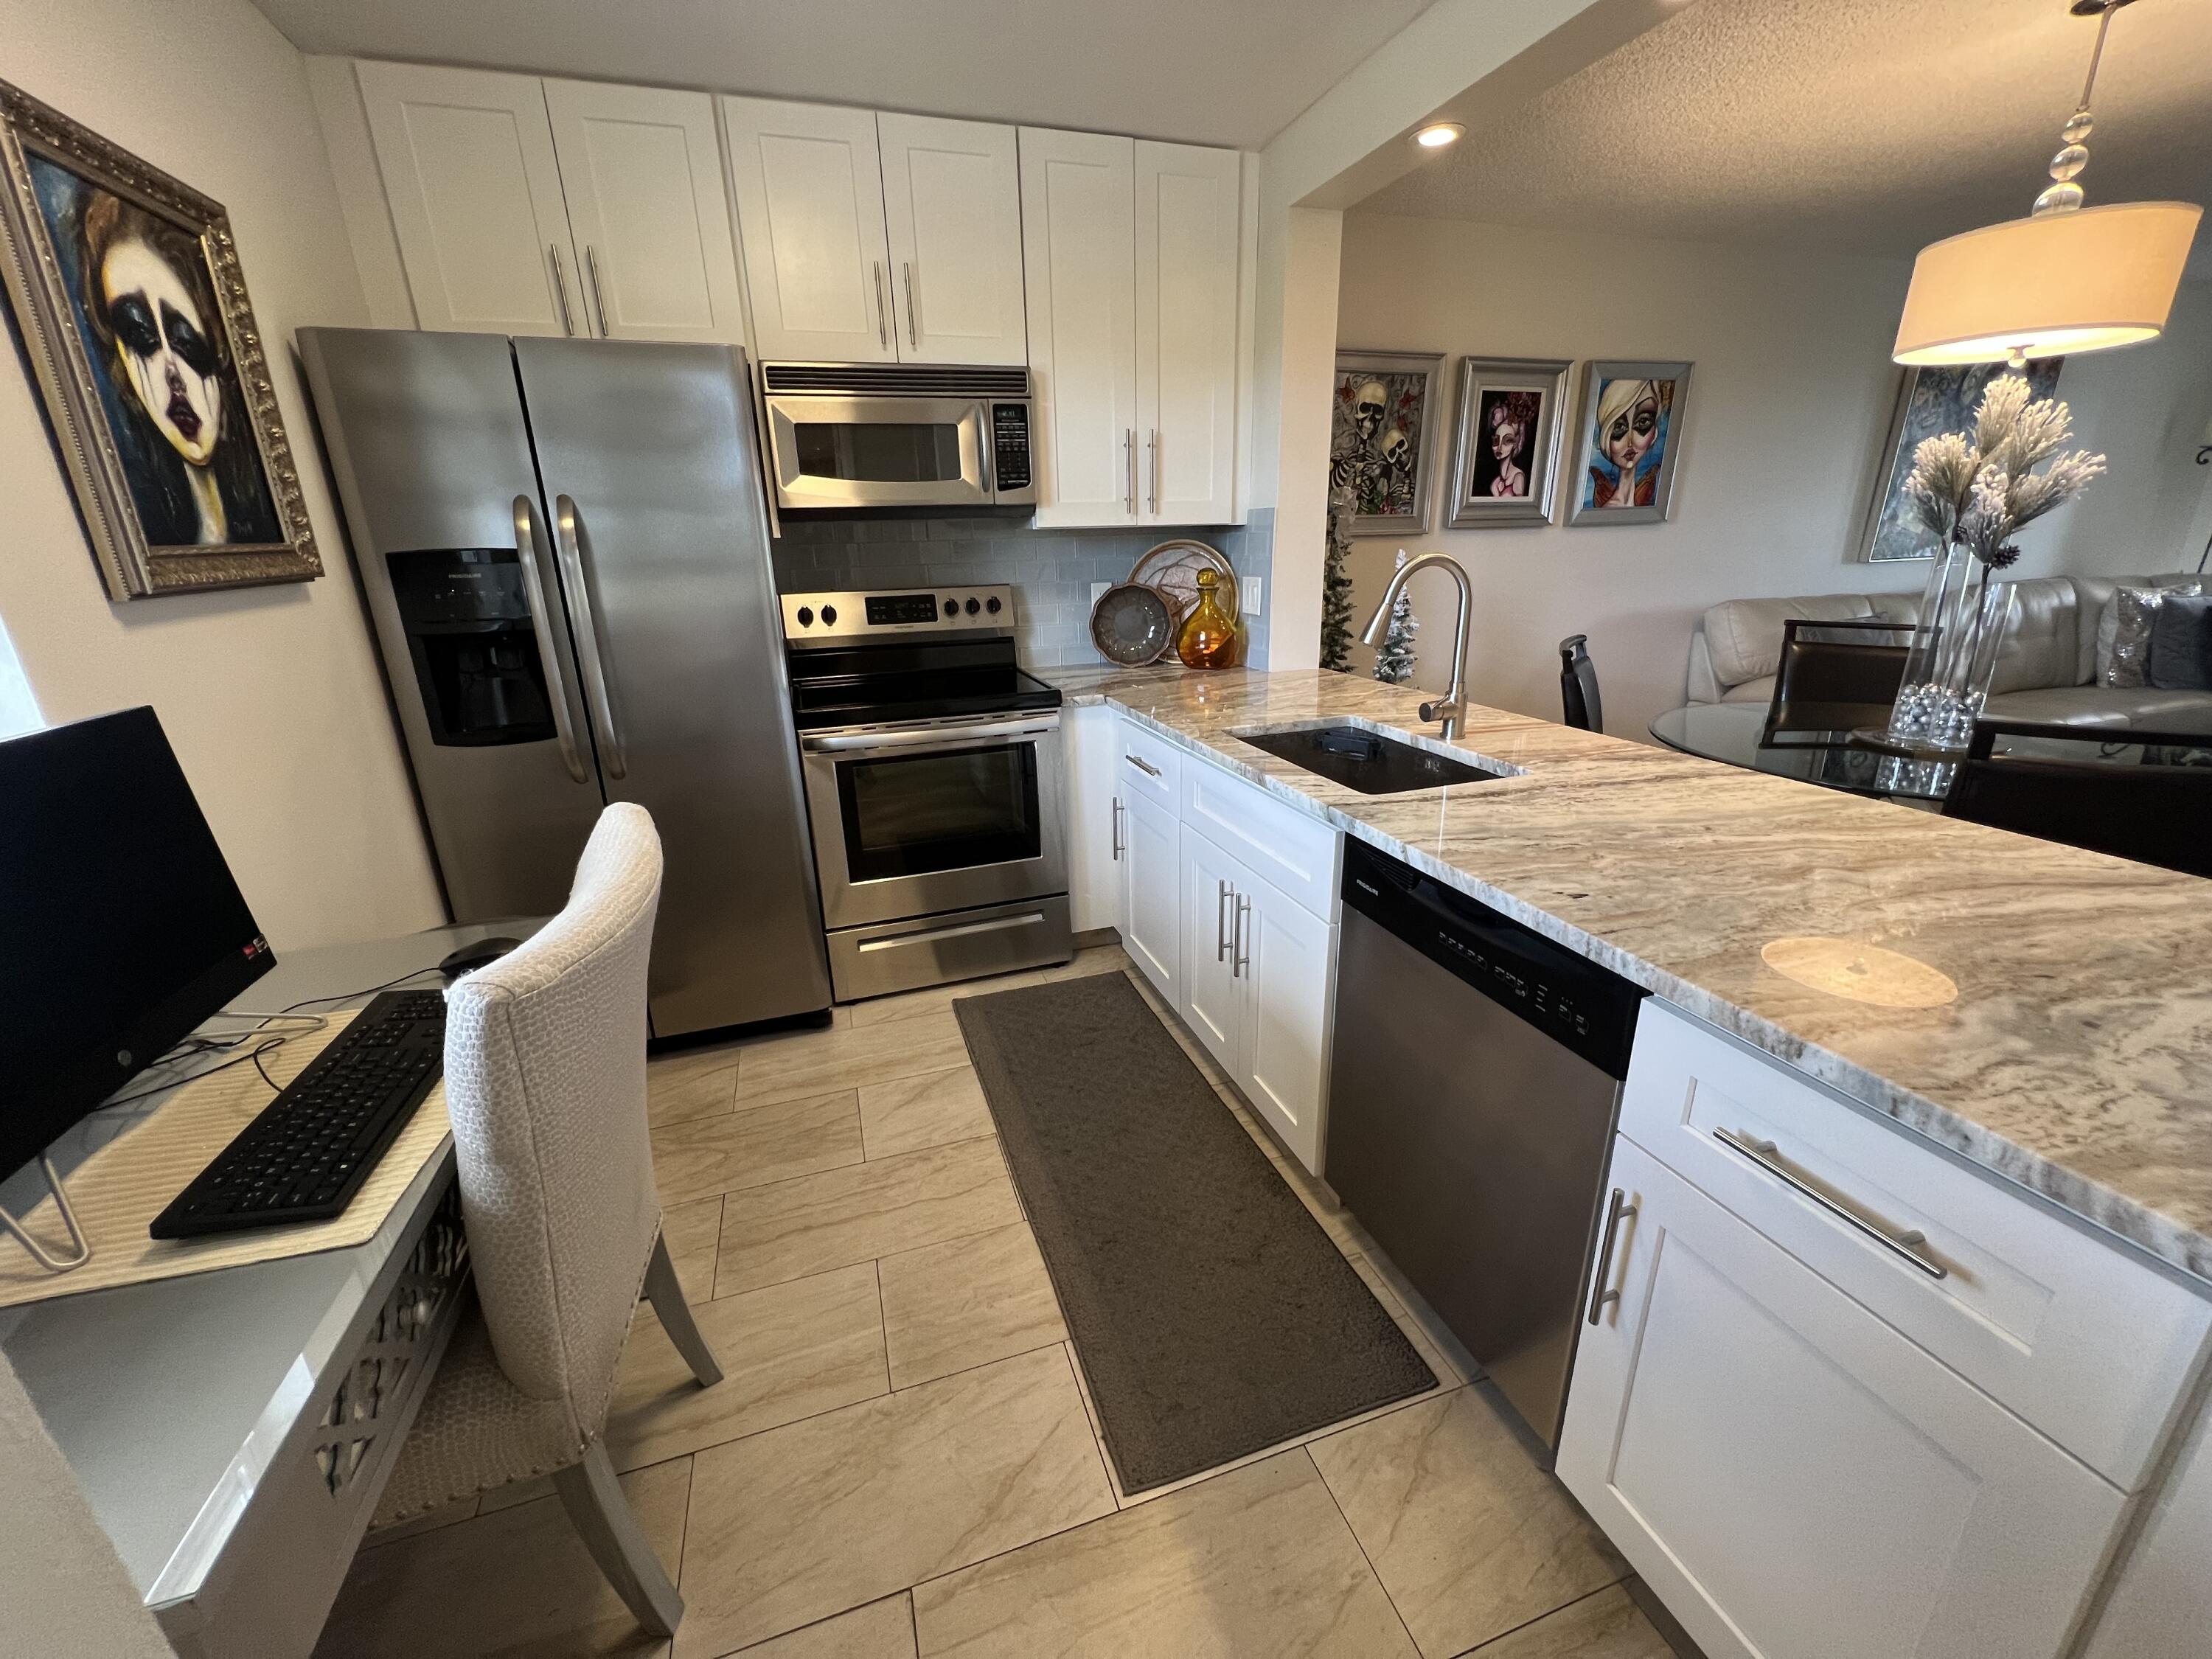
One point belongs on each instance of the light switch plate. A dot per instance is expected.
(1098, 593)
(1249, 595)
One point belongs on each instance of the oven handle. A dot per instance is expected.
(1002, 925)
(941, 737)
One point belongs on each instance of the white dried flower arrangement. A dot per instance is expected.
(1978, 492)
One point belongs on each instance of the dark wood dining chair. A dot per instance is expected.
(2136, 794)
(1585, 710)
(1835, 676)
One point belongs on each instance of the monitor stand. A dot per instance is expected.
(40, 1253)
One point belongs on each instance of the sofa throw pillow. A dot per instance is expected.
(2123, 632)
(2180, 657)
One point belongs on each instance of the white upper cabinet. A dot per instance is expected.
(468, 166)
(1186, 271)
(1079, 217)
(1133, 280)
(952, 209)
(810, 217)
(641, 170)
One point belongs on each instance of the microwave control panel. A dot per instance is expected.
(1010, 447)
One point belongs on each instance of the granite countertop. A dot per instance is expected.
(2076, 1061)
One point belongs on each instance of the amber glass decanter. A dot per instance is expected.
(1208, 639)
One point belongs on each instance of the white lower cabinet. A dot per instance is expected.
(1257, 972)
(1795, 1478)
(1094, 818)
(1152, 925)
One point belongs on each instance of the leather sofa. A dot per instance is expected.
(2046, 665)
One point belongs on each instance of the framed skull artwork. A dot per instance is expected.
(1382, 420)
(133, 318)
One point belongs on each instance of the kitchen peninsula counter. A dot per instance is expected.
(2075, 1060)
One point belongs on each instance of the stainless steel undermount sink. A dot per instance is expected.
(1368, 761)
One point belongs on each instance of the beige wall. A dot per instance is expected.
(1788, 407)
(271, 695)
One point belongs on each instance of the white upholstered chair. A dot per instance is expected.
(545, 1081)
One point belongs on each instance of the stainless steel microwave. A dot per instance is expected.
(897, 435)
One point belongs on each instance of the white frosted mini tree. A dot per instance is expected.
(1393, 659)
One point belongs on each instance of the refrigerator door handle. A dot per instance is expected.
(541, 625)
(568, 535)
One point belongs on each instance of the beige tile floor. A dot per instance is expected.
(903, 1460)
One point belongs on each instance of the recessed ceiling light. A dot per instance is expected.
(1438, 134)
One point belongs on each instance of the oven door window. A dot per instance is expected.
(877, 452)
(913, 815)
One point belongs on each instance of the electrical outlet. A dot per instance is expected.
(1249, 595)
(1098, 593)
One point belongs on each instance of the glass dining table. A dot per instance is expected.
(1859, 760)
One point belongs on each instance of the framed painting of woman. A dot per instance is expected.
(1631, 436)
(128, 300)
(1505, 449)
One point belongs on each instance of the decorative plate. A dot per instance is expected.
(1173, 567)
(1130, 625)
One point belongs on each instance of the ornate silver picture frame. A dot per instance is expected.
(125, 291)
(1381, 434)
(1628, 440)
(1505, 443)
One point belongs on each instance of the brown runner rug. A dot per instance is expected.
(1213, 1314)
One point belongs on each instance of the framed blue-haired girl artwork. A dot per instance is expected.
(1631, 430)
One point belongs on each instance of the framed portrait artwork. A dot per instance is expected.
(1929, 402)
(132, 311)
(1630, 434)
(1382, 421)
(1505, 446)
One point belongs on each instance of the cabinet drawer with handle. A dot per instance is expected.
(2032, 1308)
(1147, 762)
(1297, 853)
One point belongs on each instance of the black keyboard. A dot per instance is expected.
(307, 1155)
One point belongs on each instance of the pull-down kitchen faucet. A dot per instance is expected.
(1454, 704)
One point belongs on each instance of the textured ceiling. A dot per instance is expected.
(1202, 71)
(1869, 125)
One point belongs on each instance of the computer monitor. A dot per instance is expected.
(120, 926)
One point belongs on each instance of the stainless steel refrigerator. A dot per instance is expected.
(565, 548)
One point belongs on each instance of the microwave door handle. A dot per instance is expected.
(568, 534)
(541, 625)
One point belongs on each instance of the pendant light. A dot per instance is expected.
(2066, 279)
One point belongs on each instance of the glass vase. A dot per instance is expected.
(1208, 637)
(1964, 616)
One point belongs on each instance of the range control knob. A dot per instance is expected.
(806, 616)
(972, 606)
(952, 606)
(990, 604)
(829, 615)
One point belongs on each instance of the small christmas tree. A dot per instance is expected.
(1393, 659)
(1336, 586)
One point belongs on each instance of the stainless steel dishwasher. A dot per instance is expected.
(1472, 1104)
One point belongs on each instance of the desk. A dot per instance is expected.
(183, 1405)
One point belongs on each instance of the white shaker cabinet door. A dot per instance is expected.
(952, 207)
(1286, 957)
(1185, 319)
(1079, 261)
(810, 220)
(468, 165)
(1795, 1479)
(1152, 917)
(1095, 826)
(641, 169)
(1214, 1000)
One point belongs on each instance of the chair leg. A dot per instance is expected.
(601, 1514)
(666, 1295)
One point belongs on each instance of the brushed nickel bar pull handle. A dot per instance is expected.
(913, 317)
(1242, 959)
(541, 625)
(1142, 765)
(592, 264)
(882, 323)
(560, 289)
(568, 535)
(1221, 922)
(964, 930)
(1599, 1294)
(1154, 449)
(1129, 452)
(1115, 831)
(1909, 1244)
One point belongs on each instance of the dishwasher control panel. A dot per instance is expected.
(1587, 1009)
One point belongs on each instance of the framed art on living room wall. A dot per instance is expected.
(1631, 437)
(1929, 403)
(1382, 426)
(1505, 441)
(133, 316)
